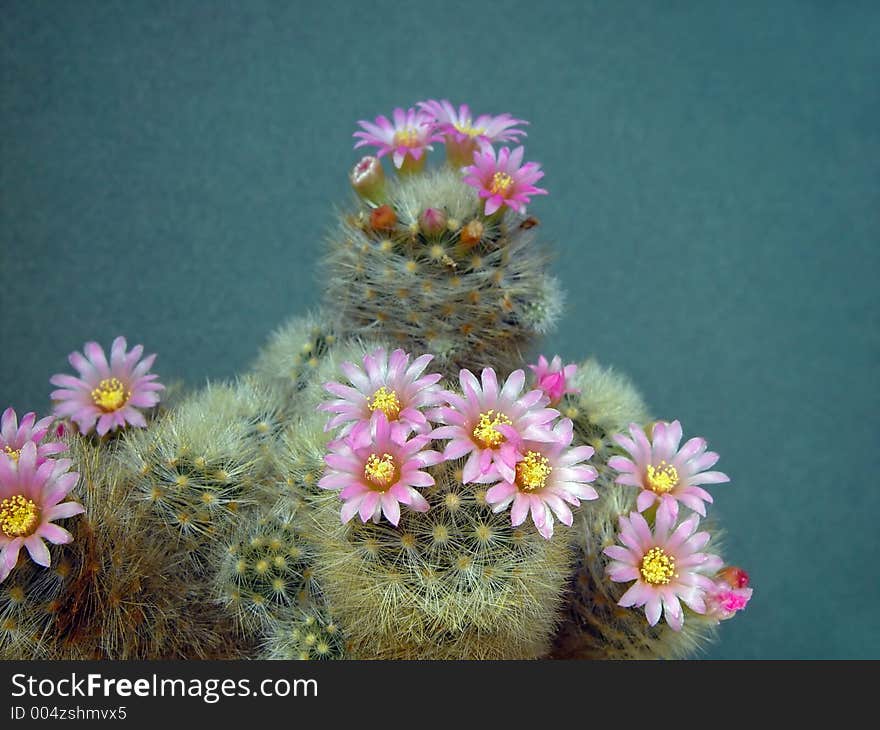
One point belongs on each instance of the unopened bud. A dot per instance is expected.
(734, 577)
(432, 221)
(368, 179)
(383, 218)
(472, 233)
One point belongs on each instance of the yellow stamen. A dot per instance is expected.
(19, 516)
(485, 432)
(12, 453)
(658, 568)
(501, 183)
(469, 130)
(408, 137)
(532, 471)
(386, 400)
(380, 470)
(662, 478)
(110, 395)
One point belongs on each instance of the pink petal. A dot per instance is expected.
(622, 464)
(500, 492)
(117, 353)
(622, 573)
(95, 353)
(54, 534)
(368, 506)
(350, 509)
(637, 595)
(391, 508)
(471, 471)
(64, 510)
(513, 385)
(618, 552)
(653, 608)
(520, 509)
(38, 551)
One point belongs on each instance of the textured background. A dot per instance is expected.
(168, 170)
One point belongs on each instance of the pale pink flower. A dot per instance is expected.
(376, 468)
(472, 424)
(464, 134)
(666, 565)
(554, 379)
(504, 181)
(387, 384)
(30, 500)
(663, 471)
(550, 476)
(408, 136)
(107, 394)
(14, 435)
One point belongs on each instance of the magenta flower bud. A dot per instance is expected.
(725, 599)
(432, 221)
(554, 378)
(368, 179)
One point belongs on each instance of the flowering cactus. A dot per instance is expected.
(386, 481)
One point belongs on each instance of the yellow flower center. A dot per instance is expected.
(408, 137)
(485, 432)
(532, 471)
(501, 183)
(19, 516)
(12, 453)
(662, 478)
(380, 471)
(110, 395)
(469, 130)
(658, 568)
(386, 400)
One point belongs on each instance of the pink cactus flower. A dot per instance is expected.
(504, 181)
(549, 477)
(724, 602)
(30, 501)
(406, 139)
(387, 384)
(107, 396)
(376, 468)
(464, 134)
(663, 471)
(666, 565)
(730, 594)
(554, 379)
(14, 435)
(472, 424)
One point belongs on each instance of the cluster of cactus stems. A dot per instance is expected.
(219, 524)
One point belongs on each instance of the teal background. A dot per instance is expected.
(168, 171)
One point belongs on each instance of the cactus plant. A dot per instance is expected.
(386, 481)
